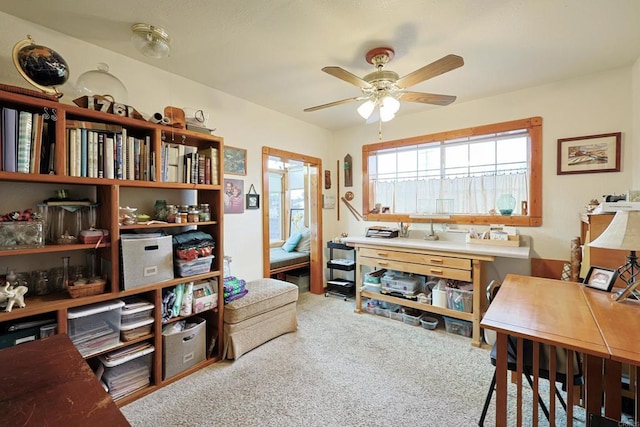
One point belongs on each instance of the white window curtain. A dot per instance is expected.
(470, 195)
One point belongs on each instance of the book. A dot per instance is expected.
(81, 124)
(109, 147)
(71, 143)
(36, 143)
(118, 156)
(25, 125)
(9, 139)
(100, 136)
(84, 152)
(211, 153)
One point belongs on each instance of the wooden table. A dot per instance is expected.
(48, 383)
(569, 316)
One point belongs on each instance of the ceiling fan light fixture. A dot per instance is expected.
(151, 41)
(386, 115)
(366, 109)
(390, 104)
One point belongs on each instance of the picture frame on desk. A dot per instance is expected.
(600, 278)
(589, 154)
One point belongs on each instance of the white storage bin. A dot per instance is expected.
(125, 374)
(95, 328)
(136, 310)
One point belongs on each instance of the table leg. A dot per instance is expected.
(501, 379)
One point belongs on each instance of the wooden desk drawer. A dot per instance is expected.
(424, 269)
(417, 258)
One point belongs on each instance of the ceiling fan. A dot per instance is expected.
(385, 89)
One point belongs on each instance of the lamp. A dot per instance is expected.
(623, 233)
(151, 41)
(387, 104)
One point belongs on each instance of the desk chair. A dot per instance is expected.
(492, 290)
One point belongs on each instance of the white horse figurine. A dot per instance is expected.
(13, 295)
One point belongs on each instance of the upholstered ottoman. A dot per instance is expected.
(266, 312)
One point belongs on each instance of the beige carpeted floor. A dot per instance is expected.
(338, 369)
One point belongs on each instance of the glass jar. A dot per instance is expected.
(160, 209)
(194, 214)
(172, 212)
(205, 212)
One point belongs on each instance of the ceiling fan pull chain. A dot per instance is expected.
(380, 129)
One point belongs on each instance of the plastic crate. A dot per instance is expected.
(429, 322)
(136, 310)
(396, 315)
(457, 326)
(133, 330)
(191, 268)
(95, 328)
(384, 312)
(460, 299)
(410, 320)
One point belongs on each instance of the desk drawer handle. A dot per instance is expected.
(436, 271)
(385, 254)
(382, 263)
(436, 260)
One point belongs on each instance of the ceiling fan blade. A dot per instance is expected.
(427, 98)
(441, 66)
(332, 104)
(348, 77)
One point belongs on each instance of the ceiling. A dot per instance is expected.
(271, 52)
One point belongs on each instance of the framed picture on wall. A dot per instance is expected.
(235, 160)
(233, 196)
(589, 154)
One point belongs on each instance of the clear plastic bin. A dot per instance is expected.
(457, 326)
(191, 268)
(460, 299)
(95, 328)
(411, 320)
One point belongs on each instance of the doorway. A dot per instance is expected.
(292, 202)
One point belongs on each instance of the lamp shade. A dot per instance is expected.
(151, 41)
(366, 109)
(622, 233)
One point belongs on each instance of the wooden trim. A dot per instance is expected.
(532, 219)
(315, 208)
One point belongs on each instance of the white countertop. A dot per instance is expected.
(521, 252)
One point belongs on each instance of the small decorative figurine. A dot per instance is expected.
(13, 295)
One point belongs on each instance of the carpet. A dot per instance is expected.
(338, 369)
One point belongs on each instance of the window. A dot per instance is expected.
(459, 174)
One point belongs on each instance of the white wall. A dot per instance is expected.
(242, 124)
(587, 105)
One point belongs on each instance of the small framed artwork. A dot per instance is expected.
(233, 196)
(253, 199)
(589, 154)
(601, 278)
(235, 160)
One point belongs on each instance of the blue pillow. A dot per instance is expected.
(292, 242)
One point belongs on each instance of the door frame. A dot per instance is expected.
(316, 284)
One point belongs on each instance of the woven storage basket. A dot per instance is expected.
(88, 289)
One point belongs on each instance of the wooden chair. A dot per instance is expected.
(527, 346)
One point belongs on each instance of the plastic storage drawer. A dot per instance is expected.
(95, 328)
(457, 326)
(191, 268)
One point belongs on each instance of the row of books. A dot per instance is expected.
(25, 144)
(103, 150)
(190, 165)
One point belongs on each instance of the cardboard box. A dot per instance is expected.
(184, 349)
(145, 260)
(204, 298)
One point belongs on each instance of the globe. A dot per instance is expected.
(41, 66)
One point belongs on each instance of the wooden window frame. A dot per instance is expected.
(534, 214)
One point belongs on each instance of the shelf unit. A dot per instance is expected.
(339, 286)
(26, 190)
(450, 265)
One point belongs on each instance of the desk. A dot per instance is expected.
(48, 383)
(443, 258)
(570, 316)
